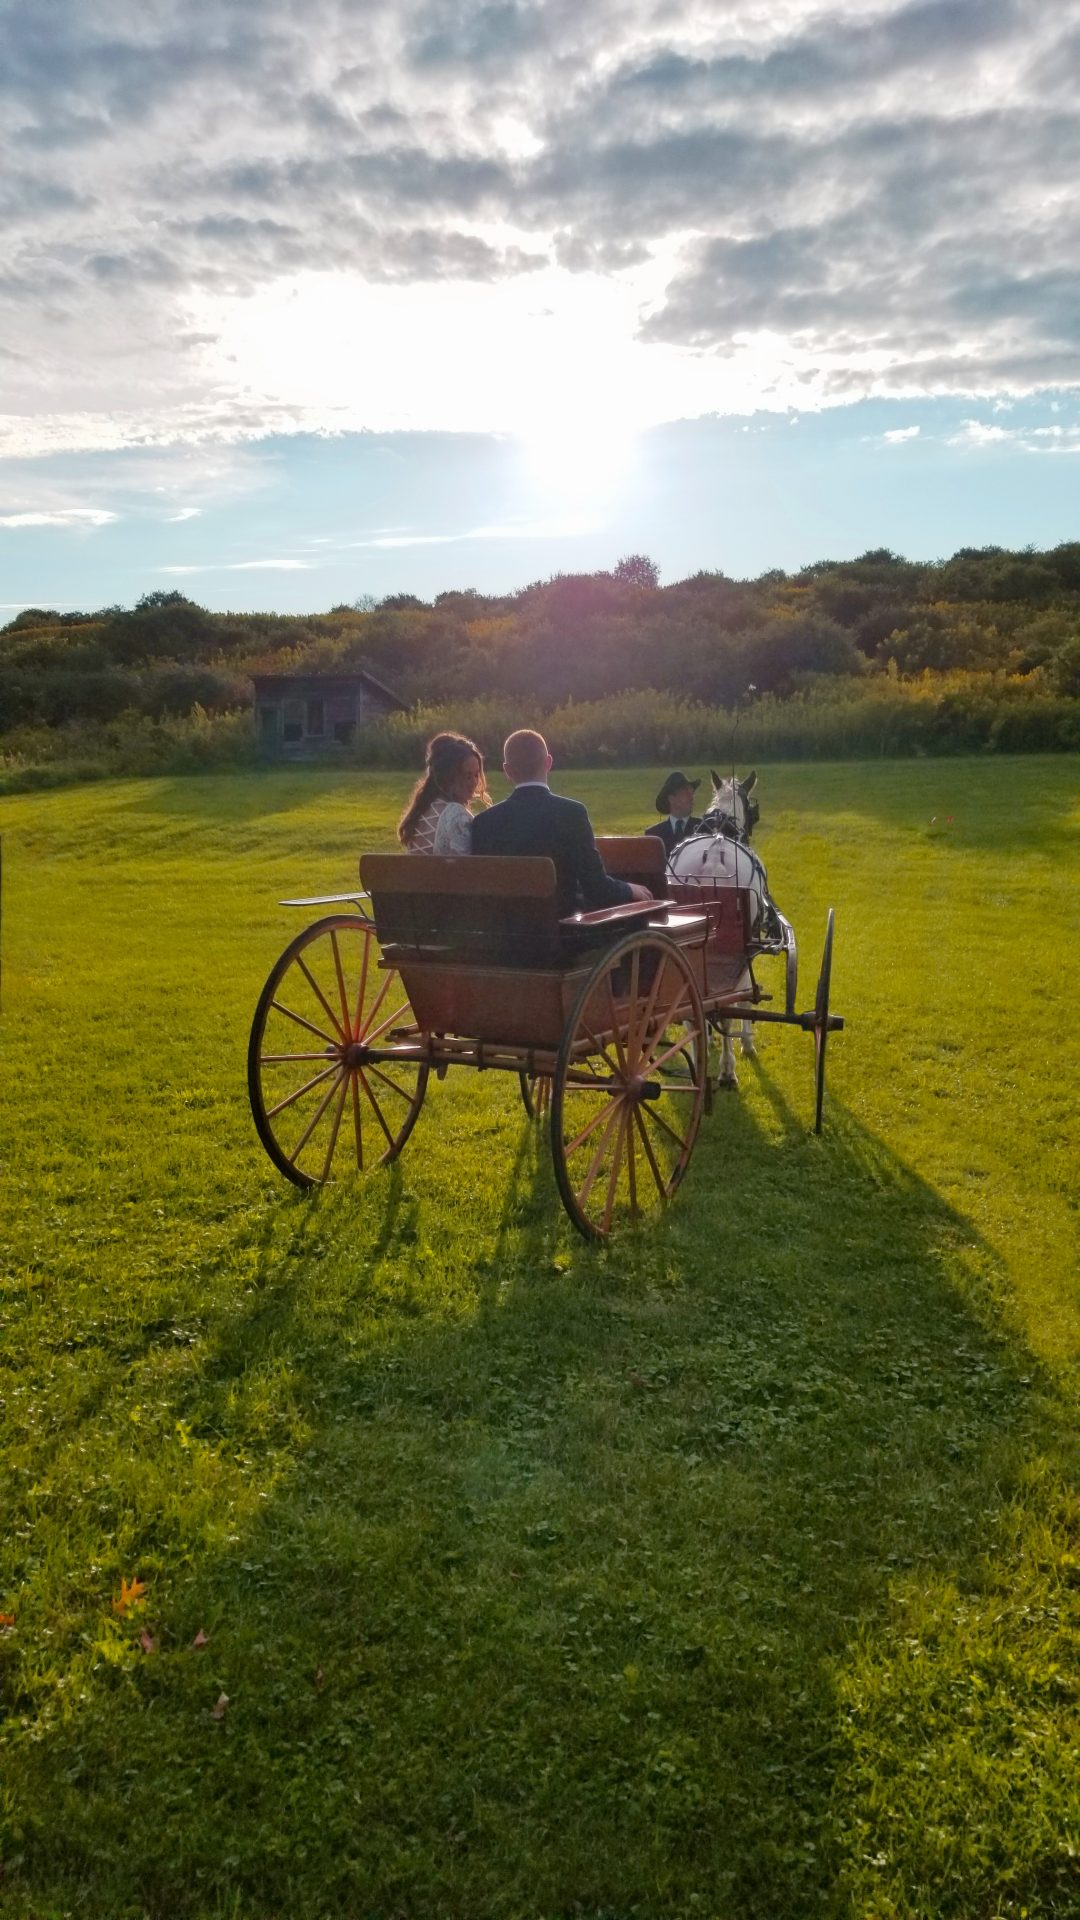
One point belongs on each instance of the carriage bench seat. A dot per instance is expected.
(641, 857)
(482, 949)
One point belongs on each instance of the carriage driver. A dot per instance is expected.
(676, 799)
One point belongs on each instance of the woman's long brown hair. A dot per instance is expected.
(442, 758)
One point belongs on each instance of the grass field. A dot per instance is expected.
(730, 1571)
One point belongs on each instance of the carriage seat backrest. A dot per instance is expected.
(500, 910)
(640, 857)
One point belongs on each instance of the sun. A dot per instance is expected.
(579, 453)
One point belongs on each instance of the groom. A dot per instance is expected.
(535, 820)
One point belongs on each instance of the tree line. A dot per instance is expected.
(708, 639)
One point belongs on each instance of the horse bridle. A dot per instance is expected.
(727, 824)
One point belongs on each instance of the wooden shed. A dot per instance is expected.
(300, 716)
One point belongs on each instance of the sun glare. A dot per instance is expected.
(513, 357)
(579, 455)
(553, 359)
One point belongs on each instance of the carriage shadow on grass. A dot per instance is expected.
(544, 1601)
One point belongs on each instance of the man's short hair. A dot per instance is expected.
(525, 755)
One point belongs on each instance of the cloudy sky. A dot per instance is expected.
(305, 299)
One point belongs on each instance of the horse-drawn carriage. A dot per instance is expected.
(605, 1017)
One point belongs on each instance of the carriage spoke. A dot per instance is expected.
(642, 1026)
(375, 1005)
(665, 1019)
(598, 1157)
(372, 1035)
(631, 1168)
(290, 1098)
(345, 1078)
(277, 1059)
(599, 1048)
(661, 1185)
(616, 1165)
(620, 1050)
(361, 988)
(578, 1140)
(392, 1084)
(535, 1093)
(357, 1128)
(280, 1007)
(669, 1013)
(341, 983)
(632, 1001)
(378, 1110)
(659, 1060)
(661, 1122)
(320, 996)
(311, 1126)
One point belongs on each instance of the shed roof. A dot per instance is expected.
(286, 683)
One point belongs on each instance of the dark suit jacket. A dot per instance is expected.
(664, 831)
(535, 820)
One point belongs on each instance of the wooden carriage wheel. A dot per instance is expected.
(535, 1091)
(319, 1102)
(821, 1021)
(629, 1085)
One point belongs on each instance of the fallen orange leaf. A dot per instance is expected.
(131, 1592)
(7, 1619)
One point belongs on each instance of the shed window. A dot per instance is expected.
(268, 722)
(292, 720)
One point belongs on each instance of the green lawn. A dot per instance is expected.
(730, 1571)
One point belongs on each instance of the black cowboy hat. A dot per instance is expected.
(671, 784)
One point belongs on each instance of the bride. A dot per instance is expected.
(437, 817)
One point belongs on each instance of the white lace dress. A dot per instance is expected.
(443, 827)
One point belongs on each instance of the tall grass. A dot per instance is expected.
(133, 745)
(853, 720)
(935, 713)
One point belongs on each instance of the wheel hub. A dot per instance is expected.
(639, 1088)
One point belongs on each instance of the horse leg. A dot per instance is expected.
(748, 1040)
(727, 1077)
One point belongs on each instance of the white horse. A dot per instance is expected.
(719, 854)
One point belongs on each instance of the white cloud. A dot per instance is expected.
(244, 566)
(896, 435)
(757, 206)
(185, 513)
(511, 530)
(975, 433)
(1053, 440)
(81, 517)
